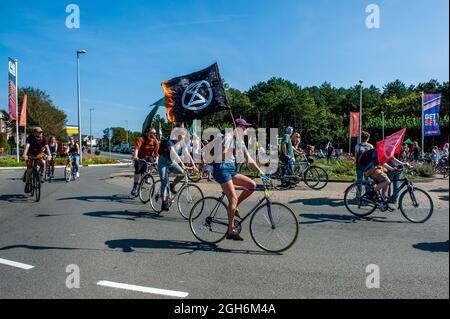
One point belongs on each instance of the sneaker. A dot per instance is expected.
(165, 206)
(77, 174)
(134, 192)
(172, 189)
(27, 188)
(234, 236)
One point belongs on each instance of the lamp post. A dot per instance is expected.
(360, 108)
(79, 52)
(90, 128)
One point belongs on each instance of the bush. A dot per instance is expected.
(425, 170)
(97, 152)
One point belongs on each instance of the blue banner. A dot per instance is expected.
(431, 105)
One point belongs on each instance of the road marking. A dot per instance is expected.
(149, 290)
(15, 264)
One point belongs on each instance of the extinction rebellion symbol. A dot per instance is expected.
(198, 96)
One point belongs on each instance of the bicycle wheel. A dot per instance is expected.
(155, 198)
(357, 201)
(274, 227)
(188, 195)
(208, 220)
(322, 177)
(416, 205)
(145, 187)
(68, 173)
(37, 186)
(311, 178)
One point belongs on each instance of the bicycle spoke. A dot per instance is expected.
(208, 220)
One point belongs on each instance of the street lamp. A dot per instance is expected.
(360, 109)
(90, 127)
(382, 124)
(79, 52)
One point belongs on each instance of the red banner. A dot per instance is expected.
(392, 145)
(354, 124)
(12, 87)
(23, 112)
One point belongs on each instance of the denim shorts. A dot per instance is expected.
(224, 172)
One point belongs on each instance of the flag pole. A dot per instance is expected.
(350, 136)
(17, 111)
(423, 138)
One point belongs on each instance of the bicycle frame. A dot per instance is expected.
(265, 199)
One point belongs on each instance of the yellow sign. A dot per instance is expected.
(72, 130)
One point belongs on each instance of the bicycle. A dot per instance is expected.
(146, 182)
(187, 195)
(269, 221)
(414, 203)
(69, 173)
(48, 169)
(35, 179)
(315, 177)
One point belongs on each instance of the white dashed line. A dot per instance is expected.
(15, 264)
(171, 293)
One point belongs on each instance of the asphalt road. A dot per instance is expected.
(91, 223)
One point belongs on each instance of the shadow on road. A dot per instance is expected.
(36, 247)
(14, 198)
(444, 198)
(127, 215)
(319, 202)
(128, 245)
(124, 199)
(345, 219)
(439, 247)
(440, 190)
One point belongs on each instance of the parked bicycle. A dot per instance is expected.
(273, 226)
(414, 203)
(186, 196)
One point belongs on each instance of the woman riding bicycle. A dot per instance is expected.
(73, 152)
(53, 146)
(225, 173)
(170, 161)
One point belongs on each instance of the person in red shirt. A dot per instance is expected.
(35, 147)
(146, 150)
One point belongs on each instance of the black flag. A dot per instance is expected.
(195, 95)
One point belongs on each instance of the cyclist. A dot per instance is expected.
(378, 172)
(146, 150)
(36, 145)
(225, 173)
(287, 155)
(361, 148)
(53, 146)
(170, 161)
(73, 151)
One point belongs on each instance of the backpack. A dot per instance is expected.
(365, 158)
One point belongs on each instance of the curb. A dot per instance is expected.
(61, 166)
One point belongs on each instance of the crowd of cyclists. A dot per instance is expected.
(44, 150)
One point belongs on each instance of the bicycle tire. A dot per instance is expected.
(37, 186)
(189, 202)
(260, 220)
(155, 199)
(323, 177)
(206, 228)
(145, 187)
(68, 173)
(404, 211)
(359, 201)
(313, 179)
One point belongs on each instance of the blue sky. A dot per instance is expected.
(134, 45)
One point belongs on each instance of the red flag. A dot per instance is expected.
(392, 145)
(23, 112)
(354, 124)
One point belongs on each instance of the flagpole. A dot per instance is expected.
(423, 138)
(350, 136)
(17, 111)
